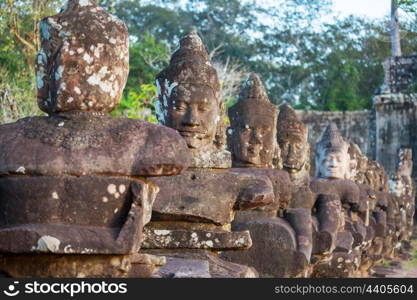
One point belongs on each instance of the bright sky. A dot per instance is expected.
(368, 8)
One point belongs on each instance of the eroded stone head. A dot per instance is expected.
(253, 122)
(400, 183)
(332, 157)
(83, 62)
(405, 163)
(189, 100)
(292, 137)
(358, 164)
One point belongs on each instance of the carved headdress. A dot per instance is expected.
(189, 65)
(331, 140)
(253, 104)
(289, 126)
(83, 62)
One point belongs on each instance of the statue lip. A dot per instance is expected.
(252, 150)
(190, 132)
(332, 168)
(290, 166)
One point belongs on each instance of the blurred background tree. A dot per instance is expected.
(305, 54)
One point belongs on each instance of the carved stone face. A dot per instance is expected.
(396, 186)
(194, 111)
(253, 122)
(333, 164)
(405, 165)
(294, 153)
(254, 143)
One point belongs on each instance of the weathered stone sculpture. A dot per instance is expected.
(70, 183)
(368, 227)
(332, 168)
(387, 221)
(253, 140)
(325, 208)
(402, 187)
(189, 101)
(279, 249)
(84, 60)
(292, 138)
(193, 212)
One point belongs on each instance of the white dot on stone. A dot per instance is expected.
(116, 195)
(105, 199)
(55, 195)
(70, 99)
(122, 188)
(21, 169)
(88, 58)
(112, 41)
(116, 210)
(48, 243)
(80, 50)
(77, 90)
(61, 124)
(111, 188)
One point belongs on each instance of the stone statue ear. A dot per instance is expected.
(277, 159)
(307, 164)
(352, 167)
(220, 138)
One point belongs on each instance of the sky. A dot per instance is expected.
(366, 8)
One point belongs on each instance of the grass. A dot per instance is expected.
(412, 263)
(386, 263)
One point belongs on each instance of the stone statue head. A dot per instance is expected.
(396, 185)
(252, 129)
(332, 157)
(292, 136)
(358, 164)
(405, 163)
(400, 183)
(189, 98)
(83, 62)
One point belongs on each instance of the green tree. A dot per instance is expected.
(408, 6)
(19, 43)
(147, 58)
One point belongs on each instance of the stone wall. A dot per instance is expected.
(353, 125)
(400, 74)
(395, 111)
(396, 124)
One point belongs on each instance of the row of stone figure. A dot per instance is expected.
(84, 194)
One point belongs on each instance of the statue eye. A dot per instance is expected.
(203, 108)
(180, 107)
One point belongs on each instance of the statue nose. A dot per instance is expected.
(191, 118)
(255, 137)
(332, 162)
